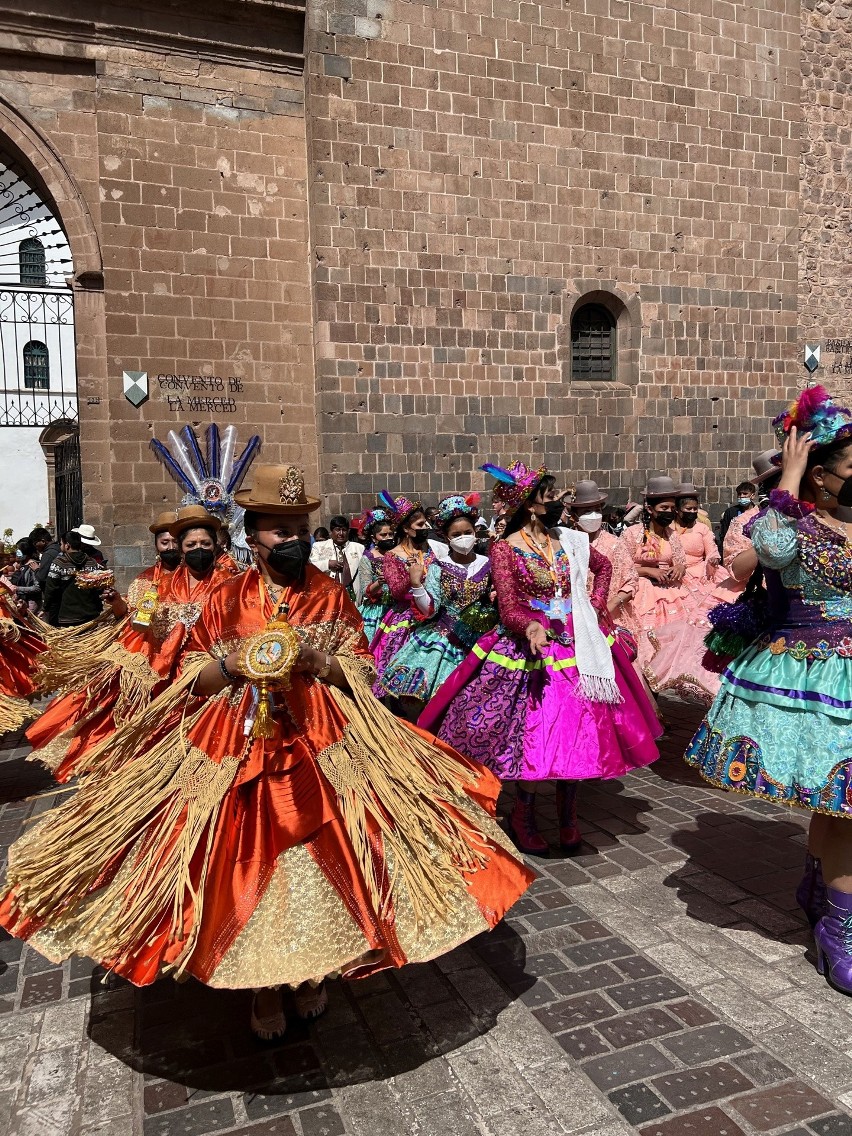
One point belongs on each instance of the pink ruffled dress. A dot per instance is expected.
(736, 540)
(680, 663)
(525, 717)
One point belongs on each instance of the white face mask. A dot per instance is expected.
(590, 522)
(463, 544)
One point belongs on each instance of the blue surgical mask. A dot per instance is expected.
(744, 501)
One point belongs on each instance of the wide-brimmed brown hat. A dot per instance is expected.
(765, 465)
(163, 523)
(277, 489)
(687, 489)
(587, 493)
(658, 488)
(193, 517)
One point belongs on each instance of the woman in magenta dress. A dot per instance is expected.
(548, 694)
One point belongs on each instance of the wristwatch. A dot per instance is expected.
(324, 671)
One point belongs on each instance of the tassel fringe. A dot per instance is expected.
(384, 770)
(151, 808)
(14, 712)
(9, 629)
(598, 689)
(68, 662)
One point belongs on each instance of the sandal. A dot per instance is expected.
(269, 1027)
(311, 1001)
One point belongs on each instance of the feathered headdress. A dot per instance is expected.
(457, 506)
(400, 508)
(814, 412)
(211, 481)
(370, 519)
(514, 484)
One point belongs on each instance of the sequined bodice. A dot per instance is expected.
(375, 560)
(458, 590)
(535, 577)
(823, 574)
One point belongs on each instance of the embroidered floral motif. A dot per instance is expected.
(800, 650)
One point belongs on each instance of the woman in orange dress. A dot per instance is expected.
(20, 646)
(266, 820)
(109, 687)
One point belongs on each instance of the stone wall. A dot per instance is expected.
(192, 170)
(479, 166)
(825, 253)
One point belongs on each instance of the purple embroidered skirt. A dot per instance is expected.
(526, 719)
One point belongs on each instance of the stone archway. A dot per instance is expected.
(37, 153)
(66, 197)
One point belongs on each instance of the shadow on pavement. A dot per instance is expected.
(383, 1026)
(19, 778)
(741, 869)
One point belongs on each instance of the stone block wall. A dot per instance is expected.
(191, 168)
(825, 252)
(478, 167)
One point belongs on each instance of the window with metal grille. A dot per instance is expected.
(33, 263)
(592, 343)
(36, 366)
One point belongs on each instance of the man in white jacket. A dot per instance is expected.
(338, 557)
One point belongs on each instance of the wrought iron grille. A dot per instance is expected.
(31, 238)
(68, 483)
(32, 262)
(36, 366)
(591, 343)
(37, 355)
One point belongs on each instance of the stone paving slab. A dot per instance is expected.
(660, 982)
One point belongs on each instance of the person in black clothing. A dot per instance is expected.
(47, 549)
(26, 586)
(745, 500)
(65, 604)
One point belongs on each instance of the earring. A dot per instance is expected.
(826, 496)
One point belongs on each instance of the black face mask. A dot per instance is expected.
(552, 514)
(289, 559)
(844, 494)
(386, 545)
(170, 558)
(200, 560)
(688, 520)
(419, 536)
(664, 519)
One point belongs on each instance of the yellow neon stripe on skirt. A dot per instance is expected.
(550, 662)
(388, 627)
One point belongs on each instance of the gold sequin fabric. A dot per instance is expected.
(166, 618)
(299, 932)
(425, 941)
(52, 754)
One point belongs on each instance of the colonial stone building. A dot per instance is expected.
(399, 238)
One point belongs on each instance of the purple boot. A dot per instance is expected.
(833, 935)
(810, 894)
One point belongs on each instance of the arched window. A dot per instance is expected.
(32, 262)
(592, 346)
(36, 366)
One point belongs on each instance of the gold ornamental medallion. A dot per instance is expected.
(270, 655)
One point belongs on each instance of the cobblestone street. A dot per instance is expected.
(661, 982)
